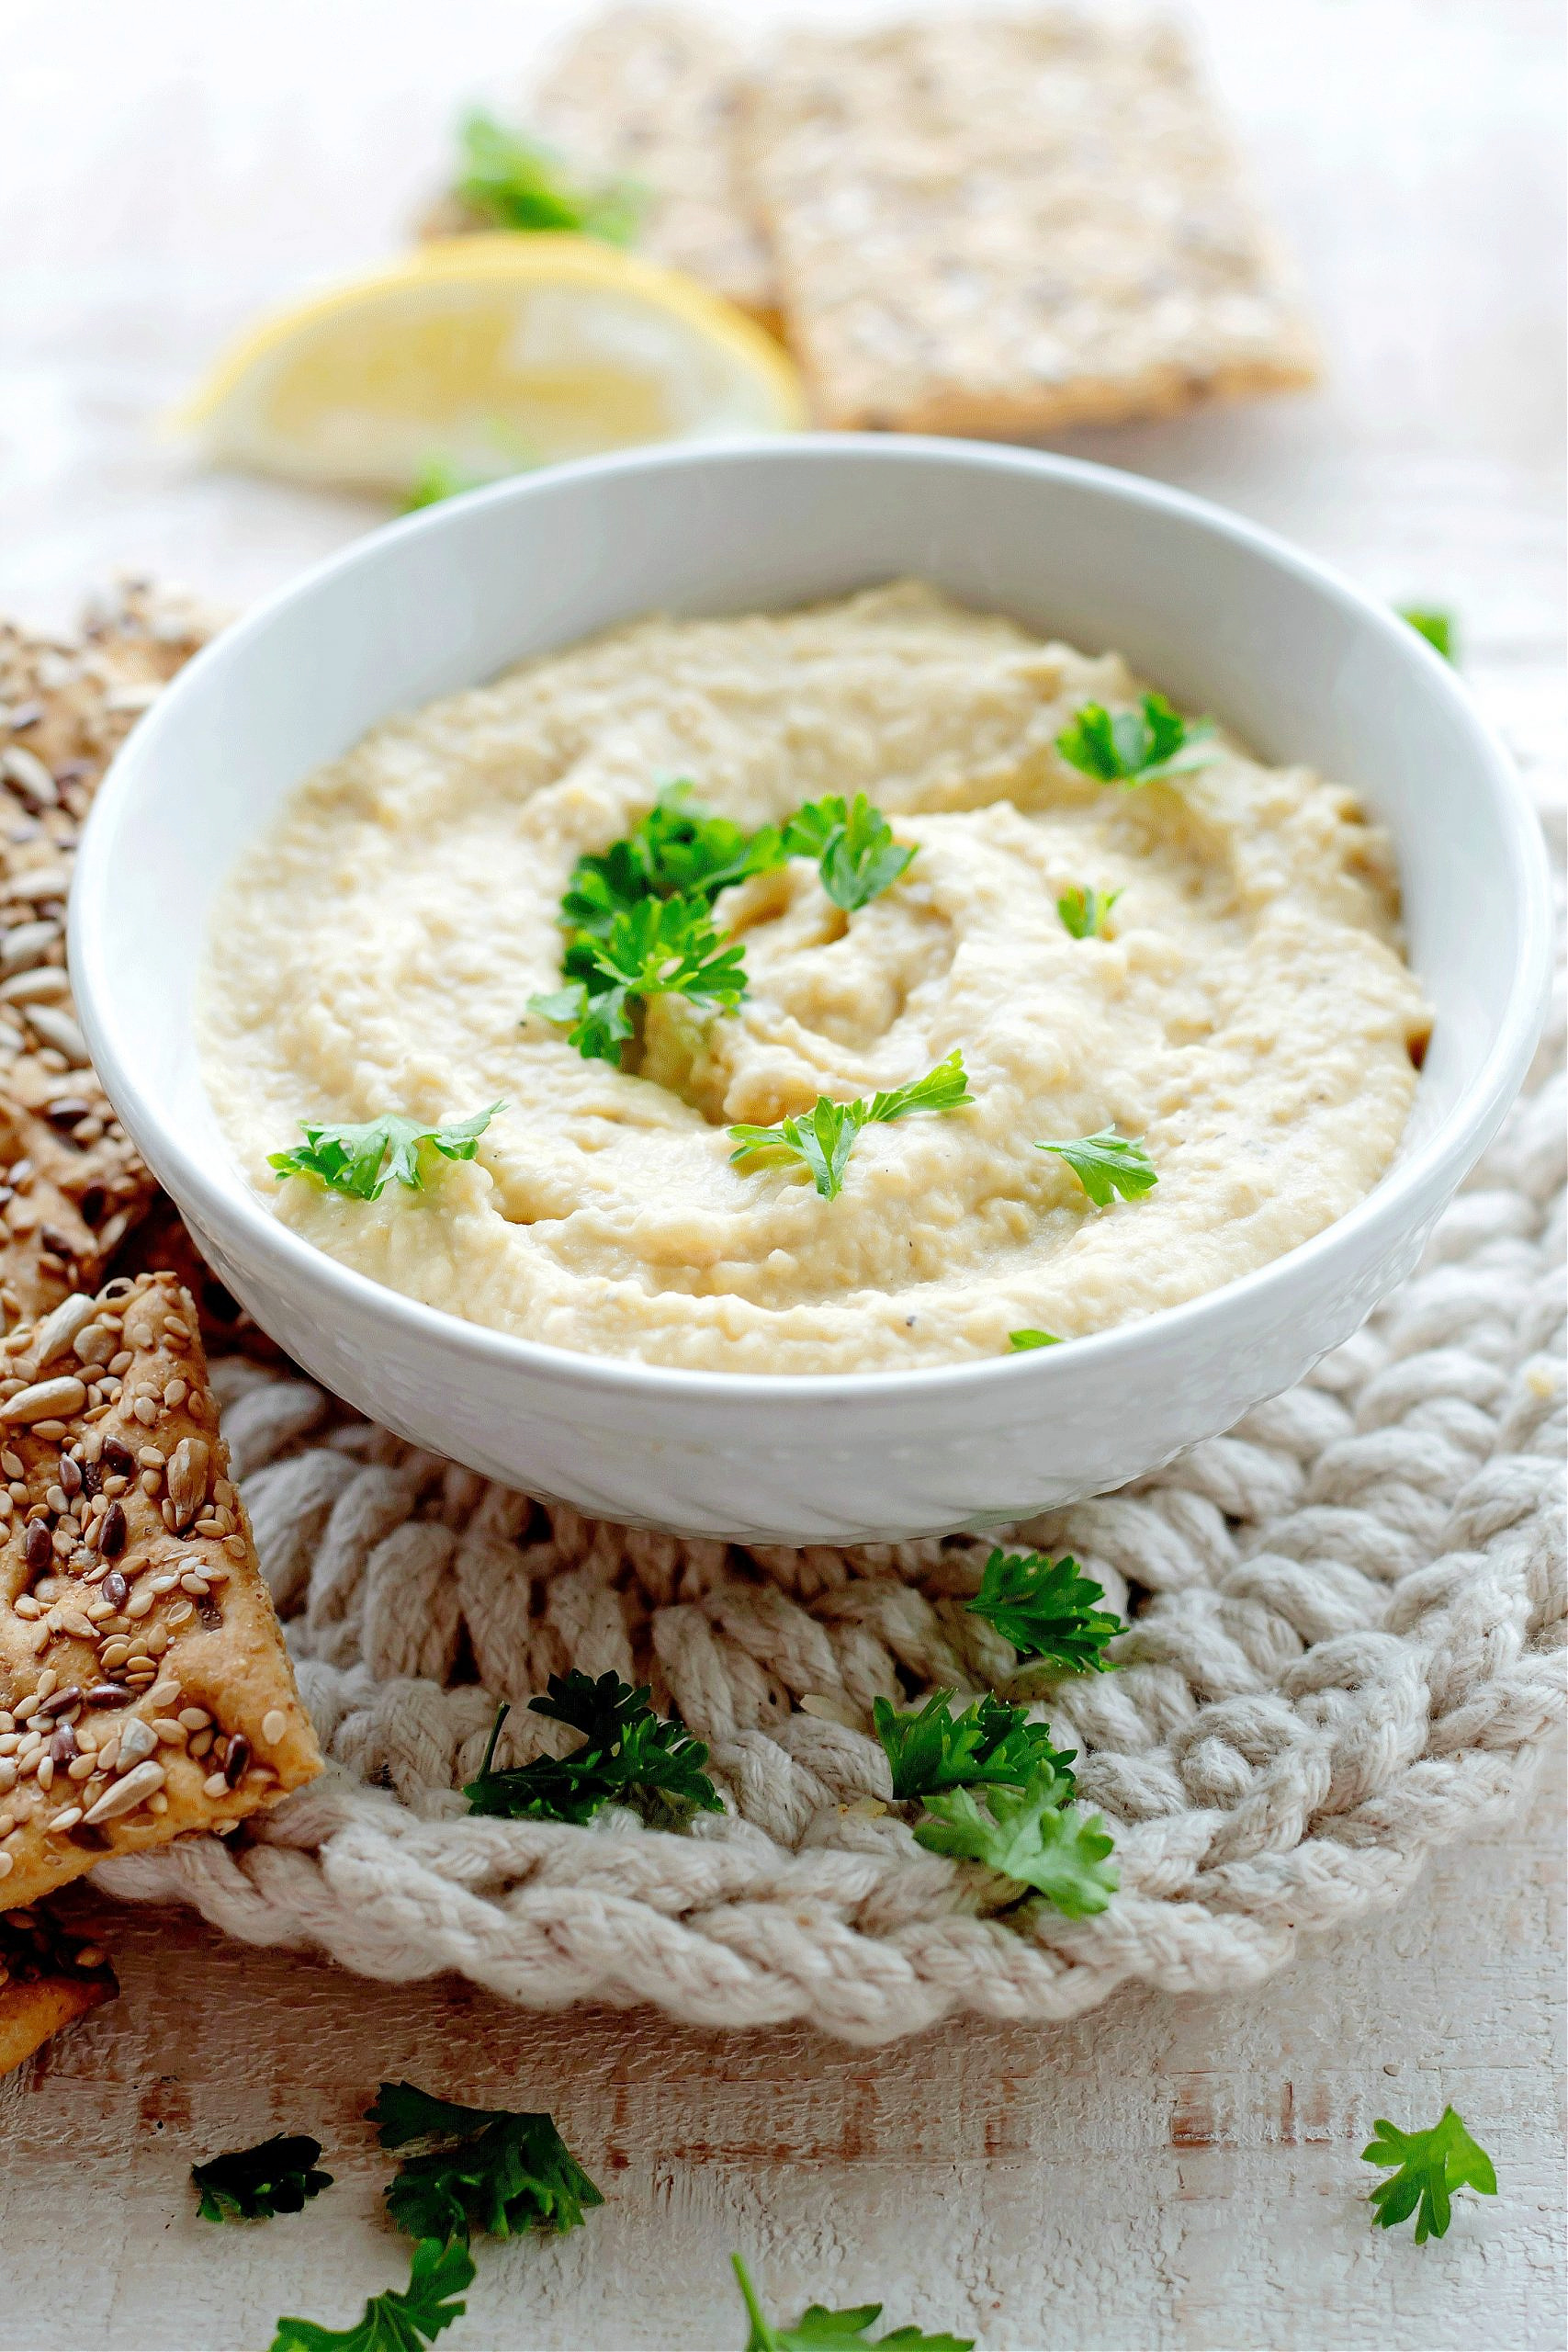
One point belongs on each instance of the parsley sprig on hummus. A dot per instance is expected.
(1107, 1163)
(1135, 746)
(854, 845)
(1083, 911)
(361, 1161)
(657, 947)
(676, 851)
(823, 1137)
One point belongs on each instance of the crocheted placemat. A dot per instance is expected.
(1346, 1627)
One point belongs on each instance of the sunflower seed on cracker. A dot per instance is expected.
(144, 1687)
(1006, 225)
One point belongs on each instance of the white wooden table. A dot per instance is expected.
(1163, 2173)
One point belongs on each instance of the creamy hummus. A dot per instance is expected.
(1248, 1014)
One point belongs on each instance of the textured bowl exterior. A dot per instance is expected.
(1219, 612)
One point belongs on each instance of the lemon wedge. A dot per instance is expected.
(485, 354)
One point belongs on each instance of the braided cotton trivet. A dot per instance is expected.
(1347, 1643)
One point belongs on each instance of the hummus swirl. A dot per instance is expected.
(1248, 1015)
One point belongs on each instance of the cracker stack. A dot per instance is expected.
(994, 223)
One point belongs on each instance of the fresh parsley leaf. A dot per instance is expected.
(518, 183)
(653, 947)
(1135, 746)
(1083, 911)
(854, 845)
(628, 1757)
(1045, 1609)
(1439, 630)
(1107, 1163)
(1431, 2165)
(499, 2172)
(989, 1743)
(438, 479)
(252, 2184)
(1028, 1339)
(361, 1161)
(404, 2319)
(819, 2330)
(677, 851)
(1030, 1835)
(824, 1137)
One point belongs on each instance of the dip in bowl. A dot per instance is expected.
(601, 1304)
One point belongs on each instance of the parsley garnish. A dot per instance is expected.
(499, 2172)
(1431, 2164)
(1045, 1609)
(856, 853)
(1438, 628)
(991, 1742)
(824, 1137)
(1135, 746)
(676, 851)
(404, 2319)
(1029, 1339)
(628, 1757)
(252, 2184)
(349, 1159)
(656, 947)
(1028, 1836)
(1107, 1163)
(438, 479)
(1083, 911)
(820, 2330)
(517, 183)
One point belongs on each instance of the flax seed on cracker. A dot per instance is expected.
(140, 1658)
(1008, 224)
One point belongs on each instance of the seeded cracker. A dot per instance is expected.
(70, 1186)
(1010, 224)
(48, 1979)
(144, 1688)
(652, 94)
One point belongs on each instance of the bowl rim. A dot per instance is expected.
(1439, 1162)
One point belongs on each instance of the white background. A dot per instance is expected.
(1162, 2173)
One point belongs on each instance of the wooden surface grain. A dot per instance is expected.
(1163, 2173)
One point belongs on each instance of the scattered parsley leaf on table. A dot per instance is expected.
(1107, 1163)
(252, 2184)
(518, 183)
(440, 479)
(1030, 1835)
(854, 845)
(628, 1757)
(1135, 746)
(1431, 2166)
(1045, 1609)
(988, 1744)
(824, 1137)
(361, 1161)
(499, 2172)
(1083, 911)
(1023, 1341)
(1437, 628)
(403, 2318)
(819, 2330)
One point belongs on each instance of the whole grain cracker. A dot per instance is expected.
(1010, 224)
(47, 1978)
(653, 95)
(144, 1687)
(71, 1187)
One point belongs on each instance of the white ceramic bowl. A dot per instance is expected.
(1224, 616)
